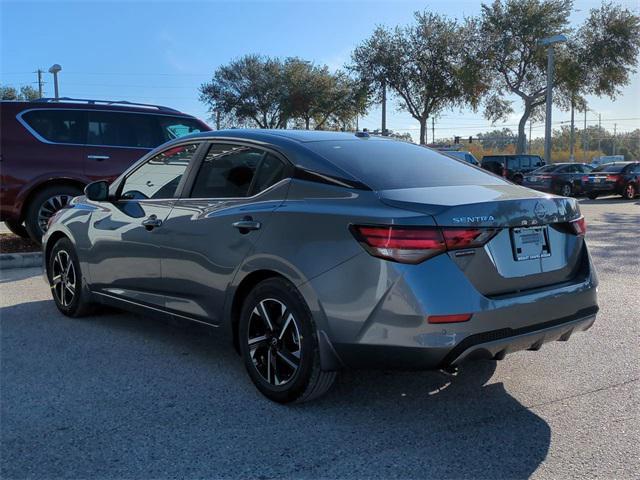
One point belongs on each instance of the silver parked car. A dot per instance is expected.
(316, 251)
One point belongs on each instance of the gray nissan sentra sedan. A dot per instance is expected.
(316, 251)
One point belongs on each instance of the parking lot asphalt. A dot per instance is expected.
(122, 396)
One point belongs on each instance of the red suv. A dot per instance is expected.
(49, 150)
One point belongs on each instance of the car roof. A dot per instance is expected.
(81, 104)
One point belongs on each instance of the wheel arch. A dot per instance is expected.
(51, 241)
(71, 182)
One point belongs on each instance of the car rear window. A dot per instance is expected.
(610, 167)
(176, 127)
(546, 169)
(388, 164)
(59, 126)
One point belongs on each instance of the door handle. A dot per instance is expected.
(151, 222)
(98, 158)
(246, 225)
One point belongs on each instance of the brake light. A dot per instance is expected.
(585, 178)
(416, 244)
(613, 178)
(579, 226)
(457, 318)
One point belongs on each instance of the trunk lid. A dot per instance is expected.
(499, 268)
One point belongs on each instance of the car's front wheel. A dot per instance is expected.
(592, 196)
(65, 279)
(279, 344)
(44, 205)
(566, 190)
(16, 228)
(629, 191)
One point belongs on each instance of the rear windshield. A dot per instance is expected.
(611, 167)
(547, 168)
(387, 164)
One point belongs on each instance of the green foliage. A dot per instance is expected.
(597, 59)
(270, 92)
(26, 93)
(430, 65)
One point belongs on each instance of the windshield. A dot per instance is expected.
(388, 164)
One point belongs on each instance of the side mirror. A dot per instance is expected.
(97, 191)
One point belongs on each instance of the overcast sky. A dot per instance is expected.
(162, 51)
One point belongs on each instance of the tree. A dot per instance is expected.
(430, 65)
(596, 60)
(26, 93)
(511, 31)
(251, 88)
(497, 139)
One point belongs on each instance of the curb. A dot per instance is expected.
(20, 260)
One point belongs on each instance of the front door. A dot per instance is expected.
(216, 225)
(125, 234)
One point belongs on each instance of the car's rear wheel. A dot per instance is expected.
(44, 205)
(566, 190)
(629, 191)
(66, 281)
(279, 344)
(592, 196)
(16, 228)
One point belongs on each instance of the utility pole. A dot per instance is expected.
(584, 137)
(384, 107)
(572, 157)
(529, 145)
(549, 42)
(433, 129)
(615, 125)
(599, 132)
(40, 82)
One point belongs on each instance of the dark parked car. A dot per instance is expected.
(462, 155)
(621, 178)
(313, 255)
(561, 178)
(512, 167)
(52, 149)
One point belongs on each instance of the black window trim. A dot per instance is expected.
(194, 169)
(86, 111)
(118, 185)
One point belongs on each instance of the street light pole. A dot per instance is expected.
(55, 68)
(549, 42)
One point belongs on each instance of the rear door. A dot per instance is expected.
(124, 261)
(216, 224)
(116, 140)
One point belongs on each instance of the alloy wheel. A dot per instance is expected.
(630, 192)
(63, 278)
(49, 207)
(566, 190)
(274, 341)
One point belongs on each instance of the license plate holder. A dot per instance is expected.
(530, 243)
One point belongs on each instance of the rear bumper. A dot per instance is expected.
(604, 188)
(493, 344)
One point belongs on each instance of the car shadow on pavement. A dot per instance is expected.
(123, 396)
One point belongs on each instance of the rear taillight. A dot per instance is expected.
(585, 178)
(416, 244)
(579, 226)
(613, 178)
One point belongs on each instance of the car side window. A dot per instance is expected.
(176, 127)
(536, 162)
(235, 171)
(160, 176)
(525, 162)
(513, 164)
(58, 126)
(122, 130)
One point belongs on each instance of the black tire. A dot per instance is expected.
(592, 196)
(517, 179)
(16, 228)
(297, 377)
(566, 190)
(44, 204)
(629, 192)
(67, 283)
